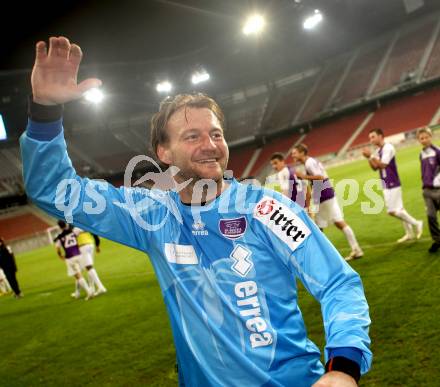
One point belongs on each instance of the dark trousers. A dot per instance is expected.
(432, 202)
(12, 279)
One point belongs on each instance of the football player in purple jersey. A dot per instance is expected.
(66, 241)
(324, 195)
(291, 185)
(430, 163)
(384, 160)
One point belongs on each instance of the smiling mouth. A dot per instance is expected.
(207, 161)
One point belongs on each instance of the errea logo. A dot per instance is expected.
(282, 221)
(198, 229)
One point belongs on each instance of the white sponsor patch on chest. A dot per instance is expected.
(282, 221)
(181, 254)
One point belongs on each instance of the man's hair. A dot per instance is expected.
(171, 105)
(425, 129)
(277, 156)
(378, 131)
(62, 224)
(302, 148)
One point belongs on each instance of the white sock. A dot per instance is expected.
(408, 228)
(91, 281)
(93, 275)
(77, 287)
(82, 282)
(403, 215)
(3, 288)
(351, 238)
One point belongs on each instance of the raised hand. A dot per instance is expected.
(54, 76)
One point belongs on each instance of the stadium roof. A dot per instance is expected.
(196, 30)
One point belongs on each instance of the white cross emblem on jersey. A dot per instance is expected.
(243, 263)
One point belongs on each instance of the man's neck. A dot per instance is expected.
(198, 194)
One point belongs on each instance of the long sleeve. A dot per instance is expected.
(312, 258)
(340, 292)
(96, 206)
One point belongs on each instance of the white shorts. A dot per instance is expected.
(393, 199)
(87, 252)
(328, 212)
(2, 274)
(73, 265)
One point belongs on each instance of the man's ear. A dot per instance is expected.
(164, 154)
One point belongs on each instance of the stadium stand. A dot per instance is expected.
(285, 103)
(133, 138)
(9, 168)
(117, 162)
(405, 56)
(329, 137)
(403, 114)
(100, 147)
(239, 159)
(280, 144)
(321, 94)
(432, 69)
(15, 226)
(358, 79)
(243, 118)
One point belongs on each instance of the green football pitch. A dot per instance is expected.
(123, 338)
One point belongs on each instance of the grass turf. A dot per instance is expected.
(123, 338)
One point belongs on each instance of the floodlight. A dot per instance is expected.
(254, 25)
(164, 87)
(199, 77)
(94, 95)
(313, 20)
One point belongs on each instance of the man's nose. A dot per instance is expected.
(208, 143)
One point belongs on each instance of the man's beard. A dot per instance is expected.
(194, 177)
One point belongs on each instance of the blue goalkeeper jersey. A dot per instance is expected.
(227, 270)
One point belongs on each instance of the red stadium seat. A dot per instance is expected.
(19, 226)
(330, 137)
(403, 114)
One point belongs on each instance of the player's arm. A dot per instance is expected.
(97, 242)
(93, 205)
(344, 307)
(374, 162)
(304, 176)
(340, 292)
(283, 179)
(59, 250)
(60, 254)
(308, 196)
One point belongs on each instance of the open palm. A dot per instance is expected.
(54, 76)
